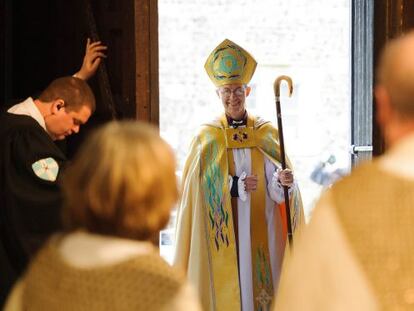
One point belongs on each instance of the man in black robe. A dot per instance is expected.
(31, 164)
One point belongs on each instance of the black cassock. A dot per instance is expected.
(30, 206)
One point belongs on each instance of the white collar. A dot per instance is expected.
(399, 160)
(29, 108)
(87, 250)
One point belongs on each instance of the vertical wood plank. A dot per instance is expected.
(408, 14)
(142, 43)
(392, 18)
(146, 53)
(154, 56)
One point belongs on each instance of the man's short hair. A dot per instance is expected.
(122, 182)
(395, 72)
(73, 91)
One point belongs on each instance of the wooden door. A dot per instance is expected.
(46, 39)
(391, 19)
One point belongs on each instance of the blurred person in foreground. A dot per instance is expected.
(358, 251)
(231, 223)
(118, 194)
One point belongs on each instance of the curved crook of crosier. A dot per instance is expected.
(276, 85)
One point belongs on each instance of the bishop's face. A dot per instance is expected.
(233, 98)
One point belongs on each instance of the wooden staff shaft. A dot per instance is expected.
(282, 150)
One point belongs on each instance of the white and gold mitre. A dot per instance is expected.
(229, 63)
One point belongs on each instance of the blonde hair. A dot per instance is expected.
(122, 182)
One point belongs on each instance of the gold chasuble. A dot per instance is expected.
(206, 245)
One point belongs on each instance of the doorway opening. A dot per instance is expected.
(307, 40)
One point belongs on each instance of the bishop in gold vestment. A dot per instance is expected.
(231, 223)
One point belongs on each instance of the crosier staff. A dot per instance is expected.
(276, 87)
